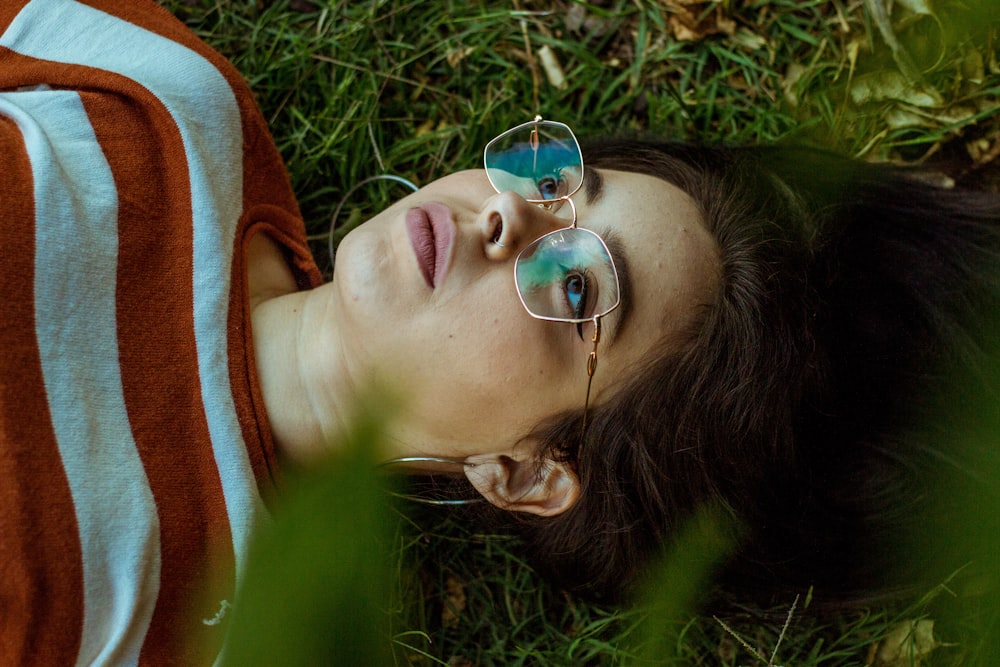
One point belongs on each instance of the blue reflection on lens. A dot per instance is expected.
(548, 161)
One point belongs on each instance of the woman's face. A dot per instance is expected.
(425, 297)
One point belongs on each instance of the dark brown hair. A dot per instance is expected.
(797, 401)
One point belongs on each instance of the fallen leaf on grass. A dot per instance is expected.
(984, 150)
(693, 20)
(748, 40)
(789, 84)
(454, 603)
(553, 70)
(579, 21)
(892, 85)
(906, 645)
(902, 117)
(726, 650)
(973, 67)
(455, 56)
(922, 7)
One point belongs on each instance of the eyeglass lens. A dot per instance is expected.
(539, 161)
(567, 275)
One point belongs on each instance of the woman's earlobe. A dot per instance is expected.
(545, 489)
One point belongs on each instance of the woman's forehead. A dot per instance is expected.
(673, 260)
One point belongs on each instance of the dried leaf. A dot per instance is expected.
(892, 85)
(455, 56)
(727, 649)
(788, 86)
(922, 7)
(978, 148)
(693, 20)
(454, 603)
(724, 24)
(984, 150)
(578, 20)
(897, 119)
(907, 644)
(748, 40)
(902, 117)
(973, 67)
(853, 48)
(425, 127)
(575, 17)
(553, 70)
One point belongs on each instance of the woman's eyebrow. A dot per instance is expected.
(593, 185)
(619, 317)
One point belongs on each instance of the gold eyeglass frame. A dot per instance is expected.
(547, 204)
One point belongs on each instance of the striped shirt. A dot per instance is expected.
(135, 454)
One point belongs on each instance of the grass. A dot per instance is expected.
(354, 89)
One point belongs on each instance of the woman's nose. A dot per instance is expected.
(508, 223)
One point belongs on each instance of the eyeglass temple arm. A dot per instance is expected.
(591, 367)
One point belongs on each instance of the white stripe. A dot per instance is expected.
(76, 254)
(210, 128)
(209, 124)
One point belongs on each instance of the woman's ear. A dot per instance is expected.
(544, 489)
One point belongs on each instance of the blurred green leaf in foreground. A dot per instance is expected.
(317, 582)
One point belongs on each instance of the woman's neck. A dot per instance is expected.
(297, 355)
(301, 377)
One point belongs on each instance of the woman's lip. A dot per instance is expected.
(431, 231)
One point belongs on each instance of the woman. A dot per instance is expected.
(825, 349)
(171, 343)
(160, 358)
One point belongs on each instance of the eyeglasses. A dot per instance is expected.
(567, 275)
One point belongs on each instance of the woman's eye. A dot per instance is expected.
(548, 187)
(575, 289)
